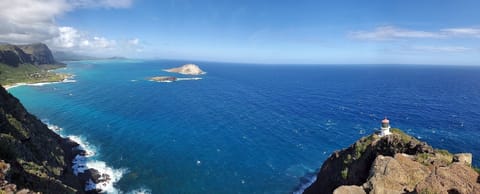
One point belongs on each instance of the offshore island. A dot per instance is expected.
(187, 69)
(34, 158)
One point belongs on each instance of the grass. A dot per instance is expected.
(423, 158)
(477, 169)
(18, 126)
(7, 146)
(426, 191)
(28, 73)
(33, 168)
(344, 173)
(404, 137)
(362, 145)
(444, 155)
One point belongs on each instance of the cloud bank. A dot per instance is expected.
(30, 21)
(384, 33)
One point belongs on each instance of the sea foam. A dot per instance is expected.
(84, 161)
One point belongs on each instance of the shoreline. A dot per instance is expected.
(67, 79)
(95, 175)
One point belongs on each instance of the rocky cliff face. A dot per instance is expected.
(36, 54)
(39, 53)
(396, 163)
(32, 156)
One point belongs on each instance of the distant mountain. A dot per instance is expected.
(28, 64)
(70, 56)
(35, 54)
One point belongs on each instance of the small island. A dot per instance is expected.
(187, 69)
(163, 79)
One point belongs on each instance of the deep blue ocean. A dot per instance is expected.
(250, 128)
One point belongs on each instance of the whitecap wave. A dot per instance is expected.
(105, 185)
(52, 127)
(140, 191)
(189, 78)
(305, 183)
(67, 80)
(82, 162)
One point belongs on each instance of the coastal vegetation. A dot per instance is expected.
(28, 73)
(28, 64)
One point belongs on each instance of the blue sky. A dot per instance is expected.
(284, 31)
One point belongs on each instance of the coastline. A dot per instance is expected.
(95, 176)
(68, 79)
(84, 170)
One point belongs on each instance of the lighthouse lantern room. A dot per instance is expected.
(385, 129)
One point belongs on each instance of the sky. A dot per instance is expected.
(253, 31)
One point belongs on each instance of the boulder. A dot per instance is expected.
(349, 189)
(465, 158)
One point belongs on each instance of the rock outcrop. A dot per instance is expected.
(163, 79)
(397, 163)
(36, 54)
(187, 69)
(33, 157)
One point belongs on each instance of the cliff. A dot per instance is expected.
(32, 157)
(397, 163)
(28, 64)
(35, 54)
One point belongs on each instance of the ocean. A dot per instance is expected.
(246, 128)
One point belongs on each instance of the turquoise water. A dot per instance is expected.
(249, 128)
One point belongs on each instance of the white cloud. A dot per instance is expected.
(392, 33)
(102, 3)
(134, 41)
(71, 38)
(25, 21)
(466, 32)
(449, 49)
(67, 37)
(29, 21)
(102, 42)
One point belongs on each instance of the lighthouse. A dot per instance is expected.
(385, 129)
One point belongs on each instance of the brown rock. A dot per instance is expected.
(456, 178)
(395, 175)
(465, 158)
(351, 166)
(350, 189)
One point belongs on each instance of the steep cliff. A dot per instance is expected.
(28, 64)
(32, 156)
(35, 54)
(397, 163)
(39, 53)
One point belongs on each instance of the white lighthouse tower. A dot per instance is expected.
(385, 129)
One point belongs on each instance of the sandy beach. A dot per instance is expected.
(69, 79)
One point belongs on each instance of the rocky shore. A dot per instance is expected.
(34, 158)
(396, 163)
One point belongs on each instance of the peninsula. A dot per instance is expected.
(393, 162)
(187, 69)
(28, 64)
